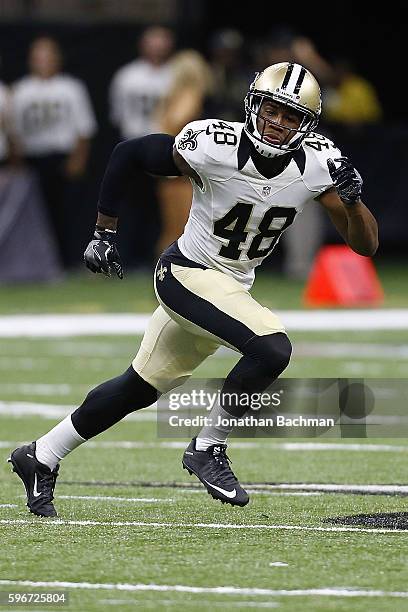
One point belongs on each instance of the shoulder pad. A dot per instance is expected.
(209, 146)
(318, 150)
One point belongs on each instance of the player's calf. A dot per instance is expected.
(37, 464)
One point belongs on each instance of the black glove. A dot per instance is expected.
(101, 254)
(346, 180)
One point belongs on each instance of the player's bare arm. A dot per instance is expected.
(77, 160)
(107, 222)
(353, 220)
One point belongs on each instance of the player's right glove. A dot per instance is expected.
(346, 179)
(101, 254)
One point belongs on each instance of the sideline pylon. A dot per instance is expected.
(340, 277)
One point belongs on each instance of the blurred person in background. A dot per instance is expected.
(4, 152)
(191, 84)
(283, 44)
(352, 100)
(230, 72)
(5, 137)
(135, 93)
(53, 123)
(137, 88)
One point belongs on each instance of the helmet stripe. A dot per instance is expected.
(287, 76)
(300, 81)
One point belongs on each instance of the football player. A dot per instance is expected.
(250, 180)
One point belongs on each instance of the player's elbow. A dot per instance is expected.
(124, 149)
(366, 250)
(375, 248)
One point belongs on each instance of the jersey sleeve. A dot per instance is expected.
(209, 146)
(192, 144)
(318, 150)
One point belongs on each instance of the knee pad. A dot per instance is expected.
(272, 352)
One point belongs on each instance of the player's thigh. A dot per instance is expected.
(169, 353)
(212, 304)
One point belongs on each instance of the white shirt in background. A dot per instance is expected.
(49, 115)
(134, 93)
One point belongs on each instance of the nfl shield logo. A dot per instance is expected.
(266, 191)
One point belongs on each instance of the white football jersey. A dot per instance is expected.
(49, 115)
(238, 215)
(134, 93)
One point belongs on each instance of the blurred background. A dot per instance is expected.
(79, 76)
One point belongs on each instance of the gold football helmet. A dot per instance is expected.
(288, 84)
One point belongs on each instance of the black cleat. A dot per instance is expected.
(38, 479)
(212, 468)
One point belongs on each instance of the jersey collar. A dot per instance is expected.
(269, 168)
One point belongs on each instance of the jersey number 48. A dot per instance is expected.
(233, 227)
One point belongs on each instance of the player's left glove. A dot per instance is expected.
(101, 254)
(346, 180)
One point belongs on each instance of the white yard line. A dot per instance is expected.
(362, 350)
(46, 411)
(284, 446)
(323, 446)
(58, 325)
(283, 493)
(149, 415)
(69, 523)
(19, 409)
(13, 362)
(285, 488)
(337, 488)
(57, 411)
(334, 350)
(169, 602)
(118, 499)
(220, 590)
(43, 389)
(272, 446)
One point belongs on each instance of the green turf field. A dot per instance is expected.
(166, 546)
(130, 516)
(84, 292)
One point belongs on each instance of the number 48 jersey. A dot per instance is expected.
(237, 215)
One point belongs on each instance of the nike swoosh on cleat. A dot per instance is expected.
(188, 453)
(29, 456)
(229, 494)
(35, 492)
